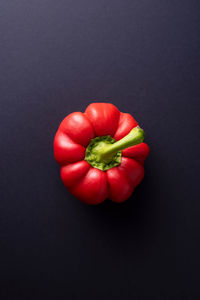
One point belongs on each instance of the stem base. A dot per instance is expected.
(94, 153)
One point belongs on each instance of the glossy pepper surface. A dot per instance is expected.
(101, 153)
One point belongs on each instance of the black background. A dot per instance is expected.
(55, 58)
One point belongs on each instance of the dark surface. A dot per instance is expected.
(57, 57)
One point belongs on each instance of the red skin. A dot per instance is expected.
(88, 184)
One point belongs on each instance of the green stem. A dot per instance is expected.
(134, 137)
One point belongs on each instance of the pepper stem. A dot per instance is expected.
(134, 137)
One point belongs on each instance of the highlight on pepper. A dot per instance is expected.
(101, 153)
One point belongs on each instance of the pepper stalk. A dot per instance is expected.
(104, 152)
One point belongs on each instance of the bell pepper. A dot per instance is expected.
(101, 153)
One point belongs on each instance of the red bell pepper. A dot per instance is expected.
(101, 153)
